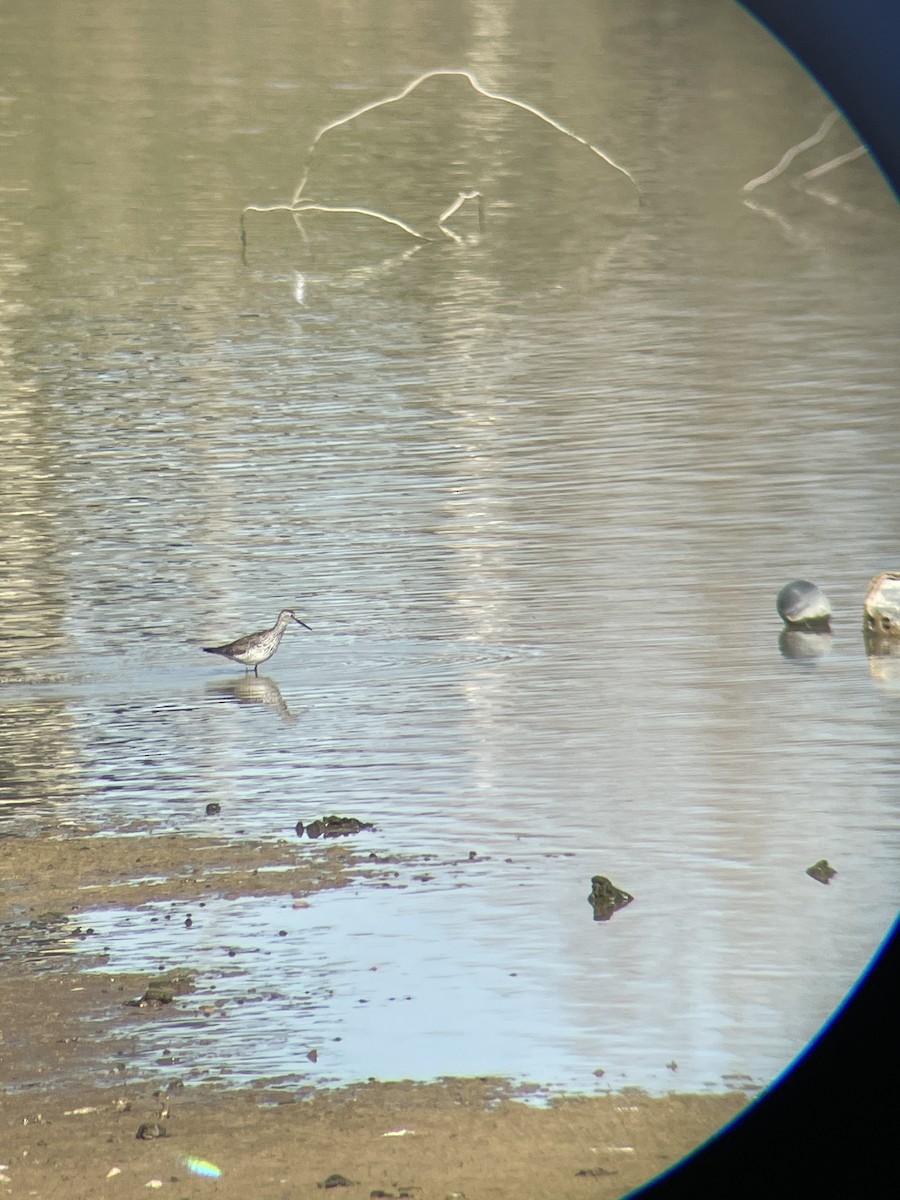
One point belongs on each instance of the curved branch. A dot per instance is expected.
(789, 155)
(310, 206)
(482, 91)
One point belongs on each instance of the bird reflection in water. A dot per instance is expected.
(255, 689)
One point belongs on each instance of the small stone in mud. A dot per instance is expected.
(213, 810)
(334, 1181)
(822, 871)
(162, 990)
(154, 997)
(606, 898)
(151, 1129)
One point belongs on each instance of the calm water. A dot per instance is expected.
(534, 490)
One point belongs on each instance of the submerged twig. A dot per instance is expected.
(789, 155)
(300, 205)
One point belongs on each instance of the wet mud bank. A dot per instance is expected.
(427, 1141)
(77, 1121)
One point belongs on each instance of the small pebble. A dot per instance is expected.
(334, 1181)
(150, 1130)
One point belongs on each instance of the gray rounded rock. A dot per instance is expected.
(802, 603)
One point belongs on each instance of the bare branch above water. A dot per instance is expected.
(789, 155)
(299, 204)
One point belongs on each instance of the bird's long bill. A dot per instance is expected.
(303, 623)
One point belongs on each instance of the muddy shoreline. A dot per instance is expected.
(70, 1112)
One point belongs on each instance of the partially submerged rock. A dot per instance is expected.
(881, 608)
(803, 604)
(332, 826)
(822, 871)
(606, 898)
(163, 989)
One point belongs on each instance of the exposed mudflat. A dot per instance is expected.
(82, 869)
(70, 1112)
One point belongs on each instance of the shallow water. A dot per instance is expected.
(535, 493)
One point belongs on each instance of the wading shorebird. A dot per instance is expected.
(257, 648)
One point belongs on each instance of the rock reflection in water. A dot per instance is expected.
(804, 645)
(883, 654)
